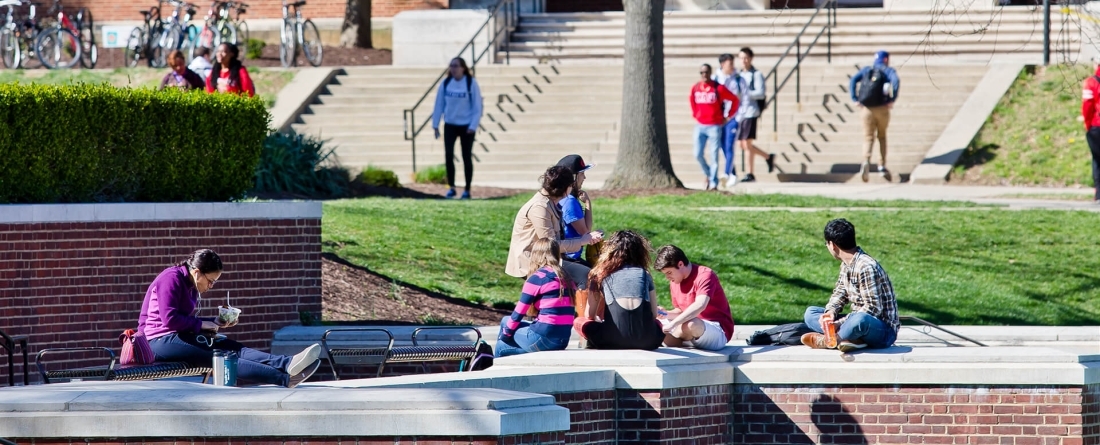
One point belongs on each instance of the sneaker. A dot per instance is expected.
(450, 194)
(465, 194)
(300, 377)
(749, 178)
(847, 346)
(885, 173)
(706, 184)
(865, 171)
(814, 340)
(303, 359)
(771, 162)
(731, 181)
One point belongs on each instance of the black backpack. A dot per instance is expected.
(468, 81)
(784, 334)
(761, 103)
(871, 92)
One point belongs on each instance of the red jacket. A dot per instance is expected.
(1089, 109)
(706, 102)
(225, 86)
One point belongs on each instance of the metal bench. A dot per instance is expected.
(381, 356)
(114, 371)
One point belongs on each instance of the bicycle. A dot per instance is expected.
(17, 36)
(216, 29)
(293, 35)
(143, 42)
(63, 38)
(242, 27)
(176, 32)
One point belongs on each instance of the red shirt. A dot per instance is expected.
(703, 281)
(1089, 109)
(706, 102)
(225, 86)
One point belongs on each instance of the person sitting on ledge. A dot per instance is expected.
(548, 296)
(702, 314)
(621, 292)
(873, 322)
(175, 334)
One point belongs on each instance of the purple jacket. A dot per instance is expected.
(170, 304)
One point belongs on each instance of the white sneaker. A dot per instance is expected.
(731, 181)
(865, 171)
(303, 359)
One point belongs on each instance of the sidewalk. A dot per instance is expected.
(1015, 198)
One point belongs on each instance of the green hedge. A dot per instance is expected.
(99, 143)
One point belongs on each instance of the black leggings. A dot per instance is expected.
(1093, 139)
(450, 133)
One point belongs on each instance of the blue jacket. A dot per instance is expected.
(891, 75)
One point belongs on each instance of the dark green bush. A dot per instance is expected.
(436, 174)
(99, 143)
(300, 165)
(378, 177)
(254, 48)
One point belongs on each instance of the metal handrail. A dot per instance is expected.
(827, 29)
(936, 326)
(510, 11)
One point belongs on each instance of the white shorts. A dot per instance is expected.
(713, 338)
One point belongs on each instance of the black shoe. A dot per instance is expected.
(749, 178)
(304, 375)
(771, 162)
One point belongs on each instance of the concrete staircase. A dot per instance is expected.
(1009, 33)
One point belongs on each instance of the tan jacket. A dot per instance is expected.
(538, 218)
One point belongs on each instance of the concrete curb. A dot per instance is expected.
(947, 150)
(297, 95)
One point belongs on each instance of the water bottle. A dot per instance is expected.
(231, 368)
(219, 367)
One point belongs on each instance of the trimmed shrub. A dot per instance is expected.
(436, 174)
(254, 48)
(378, 177)
(301, 165)
(99, 143)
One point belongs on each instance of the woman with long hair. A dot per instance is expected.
(228, 75)
(546, 297)
(622, 302)
(176, 334)
(458, 103)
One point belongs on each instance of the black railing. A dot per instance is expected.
(935, 326)
(501, 22)
(829, 6)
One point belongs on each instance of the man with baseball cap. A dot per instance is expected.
(576, 207)
(875, 88)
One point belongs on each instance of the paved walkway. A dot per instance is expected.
(1014, 198)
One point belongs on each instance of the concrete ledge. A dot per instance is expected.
(48, 213)
(993, 335)
(542, 380)
(945, 152)
(297, 95)
(182, 409)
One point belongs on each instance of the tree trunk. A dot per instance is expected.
(355, 30)
(643, 160)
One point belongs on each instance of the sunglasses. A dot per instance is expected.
(212, 282)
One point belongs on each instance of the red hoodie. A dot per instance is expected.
(1089, 109)
(706, 102)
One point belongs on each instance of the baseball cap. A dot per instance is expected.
(574, 163)
(881, 55)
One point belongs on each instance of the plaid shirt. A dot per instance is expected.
(865, 285)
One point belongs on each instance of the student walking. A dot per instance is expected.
(707, 102)
(727, 77)
(875, 88)
(748, 114)
(458, 103)
(1091, 112)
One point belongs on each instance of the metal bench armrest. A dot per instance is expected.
(328, 350)
(42, 368)
(440, 328)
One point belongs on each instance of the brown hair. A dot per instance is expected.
(173, 55)
(465, 68)
(556, 181)
(546, 252)
(670, 256)
(625, 248)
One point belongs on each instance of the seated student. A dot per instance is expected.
(623, 283)
(576, 207)
(702, 314)
(862, 283)
(180, 76)
(548, 296)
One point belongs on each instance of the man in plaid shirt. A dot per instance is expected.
(873, 321)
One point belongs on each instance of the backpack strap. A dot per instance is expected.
(469, 81)
(446, 82)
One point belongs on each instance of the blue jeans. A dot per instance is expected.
(712, 134)
(252, 366)
(857, 326)
(729, 139)
(527, 340)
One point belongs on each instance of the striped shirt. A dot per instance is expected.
(865, 285)
(543, 290)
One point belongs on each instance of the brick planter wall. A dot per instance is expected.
(127, 10)
(591, 416)
(80, 284)
(696, 415)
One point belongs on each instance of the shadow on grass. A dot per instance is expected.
(975, 155)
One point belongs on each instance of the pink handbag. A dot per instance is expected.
(135, 348)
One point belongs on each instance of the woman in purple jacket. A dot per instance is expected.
(176, 335)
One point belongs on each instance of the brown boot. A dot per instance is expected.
(814, 340)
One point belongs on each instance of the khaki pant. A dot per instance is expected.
(875, 120)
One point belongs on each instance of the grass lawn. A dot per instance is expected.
(975, 266)
(268, 81)
(1033, 136)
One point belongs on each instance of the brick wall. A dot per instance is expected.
(115, 10)
(943, 415)
(80, 284)
(540, 439)
(591, 416)
(696, 415)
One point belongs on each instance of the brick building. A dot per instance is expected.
(120, 10)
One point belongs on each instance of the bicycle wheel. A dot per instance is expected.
(311, 43)
(187, 46)
(156, 52)
(9, 49)
(170, 38)
(227, 32)
(135, 47)
(242, 32)
(288, 45)
(86, 27)
(58, 48)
